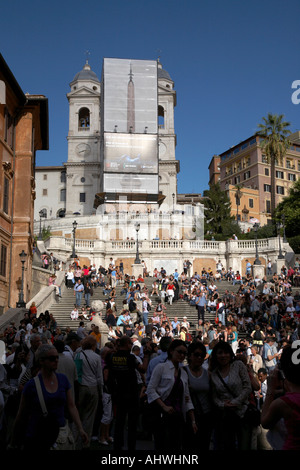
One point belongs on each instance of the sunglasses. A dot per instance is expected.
(52, 358)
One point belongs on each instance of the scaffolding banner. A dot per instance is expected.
(130, 96)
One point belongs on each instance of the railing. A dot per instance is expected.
(192, 246)
(80, 244)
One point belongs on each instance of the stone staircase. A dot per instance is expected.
(61, 309)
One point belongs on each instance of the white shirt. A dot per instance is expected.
(162, 381)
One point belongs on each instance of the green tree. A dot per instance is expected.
(218, 221)
(289, 208)
(275, 142)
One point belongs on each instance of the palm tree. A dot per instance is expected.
(274, 144)
(238, 194)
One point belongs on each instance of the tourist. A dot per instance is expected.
(168, 391)
(231, 388)
(199, 386)
(57, 394)
(286, 406)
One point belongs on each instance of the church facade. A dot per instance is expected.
(70, 189)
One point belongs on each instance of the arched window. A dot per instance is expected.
(61, 213)
(84, 118)
(161, 117)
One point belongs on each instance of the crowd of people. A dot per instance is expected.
(226, 383)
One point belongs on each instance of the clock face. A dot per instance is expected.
(83, 150)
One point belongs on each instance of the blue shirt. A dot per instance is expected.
(162, 357)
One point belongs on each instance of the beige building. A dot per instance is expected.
(245, 165)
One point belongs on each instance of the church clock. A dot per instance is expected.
(83, 150)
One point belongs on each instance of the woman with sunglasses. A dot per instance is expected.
(57, 394)
(199, 386)
(168, 393)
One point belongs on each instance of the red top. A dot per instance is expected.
(292, 441)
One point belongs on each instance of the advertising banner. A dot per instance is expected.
(130, 95)
(130, 153)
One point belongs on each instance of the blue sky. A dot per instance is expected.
(232, 62)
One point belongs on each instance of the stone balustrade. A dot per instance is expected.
(171, 253)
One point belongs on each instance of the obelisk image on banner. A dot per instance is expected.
(130, 104)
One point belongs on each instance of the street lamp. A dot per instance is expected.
(21, 303)
(137, 258)
(74, 230)
(41, 214)
(257, 261)
(173, 196)
(281, 255)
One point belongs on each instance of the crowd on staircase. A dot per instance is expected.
(178, 385)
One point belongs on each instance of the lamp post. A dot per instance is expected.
(74, 230)
(257, 261)
(21, 303)
(173, 196)
(41, 214)
(281, 255)
(137, 258)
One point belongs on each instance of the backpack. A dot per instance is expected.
(257, 336)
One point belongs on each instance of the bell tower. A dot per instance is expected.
(168, 165)
(83, 165)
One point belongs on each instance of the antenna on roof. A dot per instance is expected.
(87, 53)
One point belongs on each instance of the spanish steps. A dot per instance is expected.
(62, 308)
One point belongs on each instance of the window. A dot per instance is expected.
(61, 213)
(3, 260)
(279, 174)
(280, 190)
(291, 177)
(45, 192)
(289, 164)
(247, 175)
(237, 180)
(63, 177)
(268, 207)
(45, 177)
(82, 197)
(84, 118)
(267, 188)
(251, 203)
(161, 117)
(9, 129)
(62, 195)
(267, 172)
(5, 195)
(264, 159)
(82, 179)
